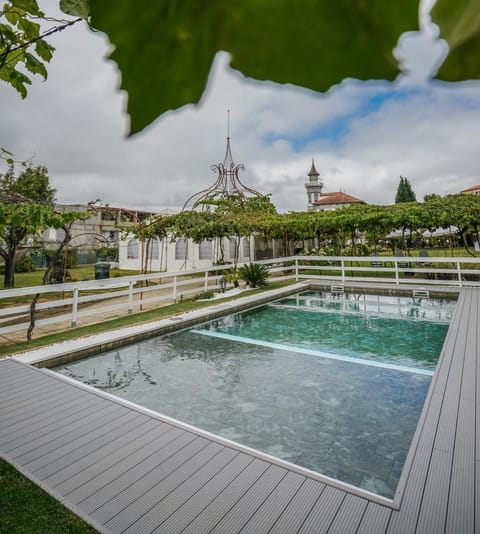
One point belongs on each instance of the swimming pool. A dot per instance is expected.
(347, 411)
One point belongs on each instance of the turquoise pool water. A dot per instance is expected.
(348, 411)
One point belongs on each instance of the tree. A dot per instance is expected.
(27, 201)
(27, 206)
(431, 196)
(404, 192)
(23, 44)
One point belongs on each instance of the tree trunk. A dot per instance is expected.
(31, 326)
(9, 277)
(51, 265)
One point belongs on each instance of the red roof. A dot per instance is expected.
(337, 197)
(473, 188)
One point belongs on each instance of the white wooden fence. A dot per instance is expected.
(73, 301)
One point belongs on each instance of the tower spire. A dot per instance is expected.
(314, 186)
(313, 170)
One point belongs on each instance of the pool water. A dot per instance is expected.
(344, 418)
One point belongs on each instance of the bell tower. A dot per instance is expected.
(314, 187)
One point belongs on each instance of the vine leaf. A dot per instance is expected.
(165, 52)
(76, 8)
(459, 23)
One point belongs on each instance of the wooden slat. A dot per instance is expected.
(164, 475)
(375, 519)
(461, 500)
(49, 421)
(271, 509)
(438, 431)
(147, 511)
(64, 463)
(349, 515)
(245, 507)
(324, 511)
(65, 431)
(215, 511)
(107, 488)
(141, 437)
(178, 517)
(298, 508)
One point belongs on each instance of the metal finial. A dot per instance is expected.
(228, 124)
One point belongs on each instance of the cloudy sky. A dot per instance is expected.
(363, 135)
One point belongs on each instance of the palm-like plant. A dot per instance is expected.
(254, 274)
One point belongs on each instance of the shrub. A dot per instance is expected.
(254, 274)
(233, 275)
(67, 259)
(25, 264)
(204, 295)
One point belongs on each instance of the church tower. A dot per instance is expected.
(314, 187)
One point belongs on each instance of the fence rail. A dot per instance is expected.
(74, 301)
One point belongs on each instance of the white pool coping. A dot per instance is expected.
(65, 348)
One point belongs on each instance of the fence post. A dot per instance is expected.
(343, 270)
(205, 288)
(459, 274)
(130, 297)
(296, 269)
(74, 308)
(397, 280)
(174, 296)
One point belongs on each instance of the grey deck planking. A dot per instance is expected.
(251, 500)
(182, 516)
(374, 520)
(98, 445)
(125, 458)
(299, 507)
(210, 515)
(93, 417)
(349, 515)
(30, 430)
(323, 512)
(200, 468)
(109, 488)
(193, 484)
(270, 510)
(144, 435)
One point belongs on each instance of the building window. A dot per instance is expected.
(205, 250)
(233, 251)
(60, 235)
(132, 249)
(246, 247)
(181, 249)
(153, 249)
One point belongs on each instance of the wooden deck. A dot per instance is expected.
(128, 470)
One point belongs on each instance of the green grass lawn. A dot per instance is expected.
(27, 509)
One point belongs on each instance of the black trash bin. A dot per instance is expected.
(102, 270)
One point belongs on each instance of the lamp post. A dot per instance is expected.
(223, 283)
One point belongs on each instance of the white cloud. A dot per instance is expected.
(361, 140)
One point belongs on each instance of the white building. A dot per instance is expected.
(317, 200)
(183, 254)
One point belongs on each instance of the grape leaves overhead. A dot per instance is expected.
(164, 49)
